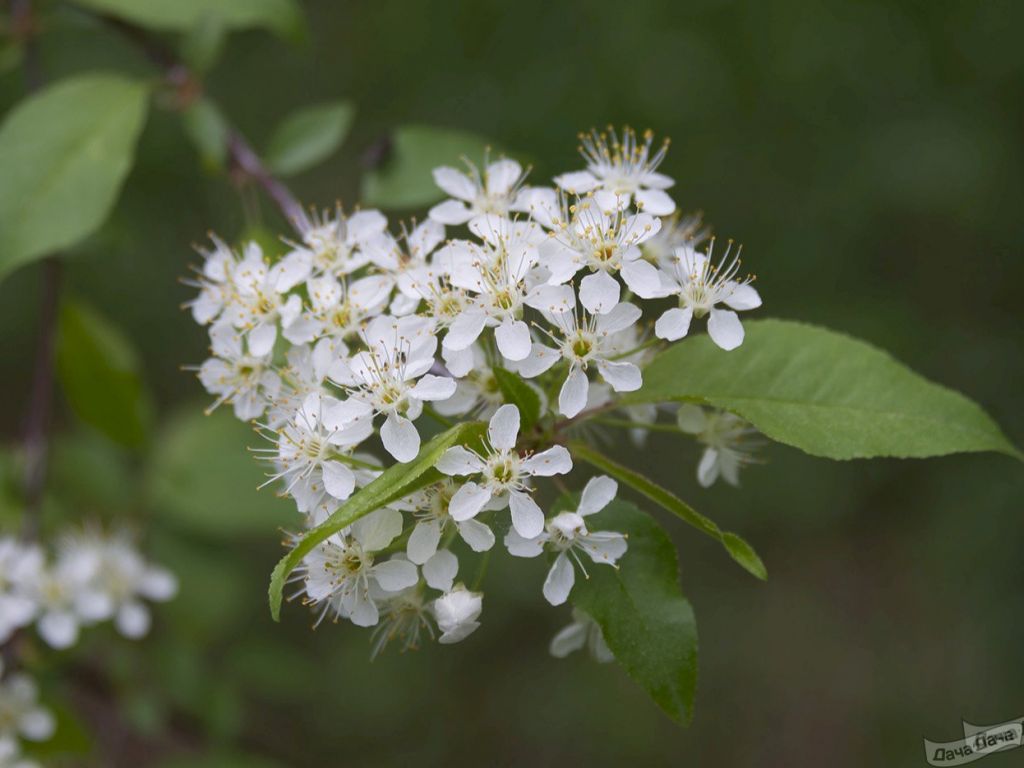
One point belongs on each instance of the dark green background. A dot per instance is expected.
(869, 157)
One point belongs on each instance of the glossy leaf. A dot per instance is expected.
(824, 393)
(281, 16)
(65, 153)
(308, 137)
(517, 391)
(646, 621)
(100, 376)
(405, 178)
(738, 549)
(395, 482)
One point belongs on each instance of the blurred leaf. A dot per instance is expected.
(64, 153)
(281, 16)
(395, 482)
(646, 621)
(516, 390)
(89, 473)
(203, 43)
(405, 180)
(201, 477)
(308, 137)
(738, 549)
(824, 393)
(206, 127)
(99, 375)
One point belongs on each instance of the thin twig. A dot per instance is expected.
(240, 151)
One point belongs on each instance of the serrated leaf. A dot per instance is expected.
(308, 137)
(99, 374)
(206, 126)
(395, 482)
(405, 179)
(517, 391)
(647, 623)
(65, 153)
(281, 16)
(201, 478)
(738, 549)
(824, 393)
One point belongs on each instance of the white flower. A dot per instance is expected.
(20, 566)
(497, 275)
(493, 193)
(402, 261)
(311, 454)
(215, 282)
(339, 572)
(457, 613)
(700, 285)
(583, 631)
(431, 510)
(246, 381)
(403, 618)
(390, 378)
(260, 299)
(676, 231)
(503, 474)
(585, 237)
(565, 533)
(333, 245)
(585, 341)
(339, 309)
(20, 713)
(303, 376)
(727, 439)
(621, 170)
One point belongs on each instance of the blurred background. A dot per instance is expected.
(868, 155)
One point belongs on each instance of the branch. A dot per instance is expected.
(240, 151)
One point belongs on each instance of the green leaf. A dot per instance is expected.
(515, 390)
(281, 16)
(646, 621)
(64, 153)
(202, 45)
(395, 482)
(824, 393)
(208, 129)
(738, 549)
(202, 478)
(308, 137)
(405, 179)
(99, 375)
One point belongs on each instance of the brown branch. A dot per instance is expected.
(240, 152)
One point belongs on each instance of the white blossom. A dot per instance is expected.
(457, 613)
(582, 632)
(260, 299)
(20, 566)
(566, 533)
(246, 381)
(333, 245)
(430, 507)
(503, 474)
(728, 442)
(21, 716)
(475, 194)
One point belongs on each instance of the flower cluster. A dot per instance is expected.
(94, 576)
(357, 343)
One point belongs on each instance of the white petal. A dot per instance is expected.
(338, 479)
(692, 419)
(477, 535)
(362, 610)
(468, 501)
(400, 438)
(503, 428)
(597, 494)
(643, 279)
(559, 581)
(459, 461)
(572, 398)
(133, 620)
(451, 212)
(363, 225)
(423, 541)
(58, 628)
(455, 183)
(599, 292)
(707, 470)
(465, 330)
(517, 546)
(36, 725)
(261, 339)
(570, 638)
(623, 377)
(378, 529)
(395, 575)
(577, 181)
(458, 362)
(502, 175)
(743, 297)
(604, 546)
(553, 461)
(552, 299)
(673, 324)
(527, 518)
(540, 359)
(655, 201)
(619, 318)
(725, 329)
(432, 387)
(513, 339)
(440, 570)
(657, 180)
